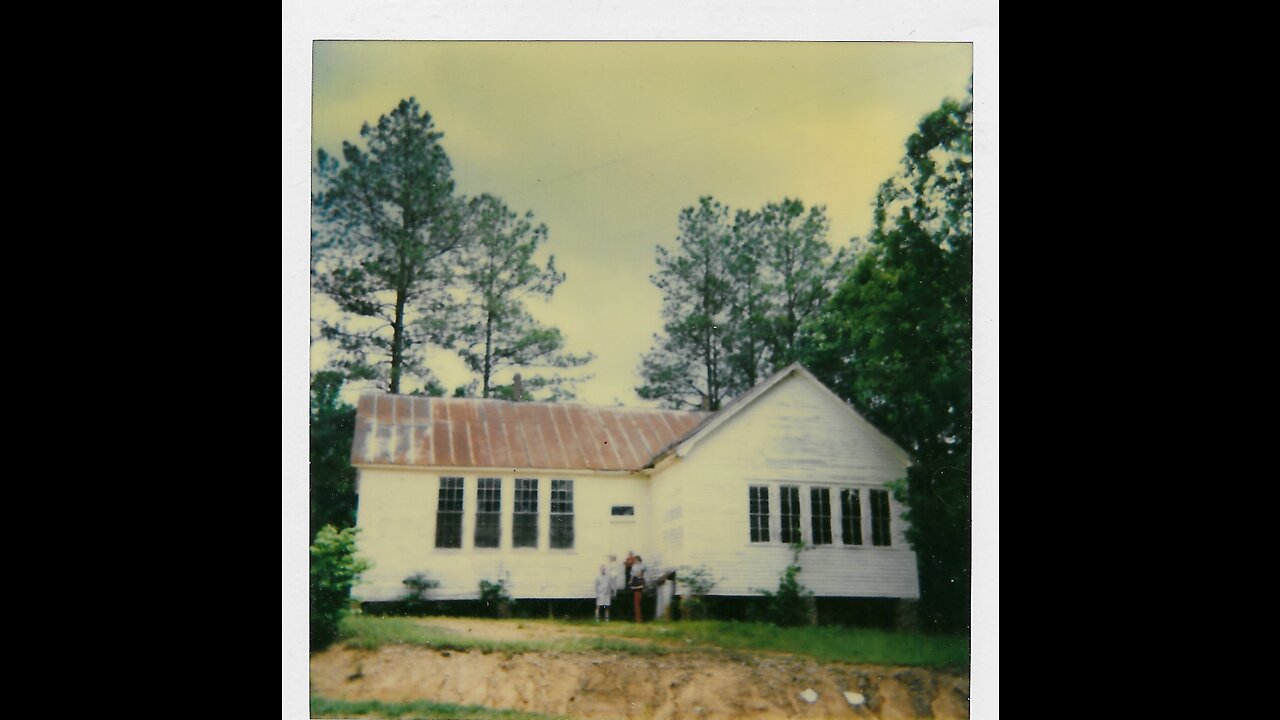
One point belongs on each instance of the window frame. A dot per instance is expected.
(820, 499)
(521, 498)
(492, 524)
(758, 514)
(795, 528)
(454, 526)
(562, 518)
(851, 522)
(881, 518)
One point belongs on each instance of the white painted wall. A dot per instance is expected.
(397, 518)
(693, 511)
(794, 434)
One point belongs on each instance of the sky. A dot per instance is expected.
(605, 142)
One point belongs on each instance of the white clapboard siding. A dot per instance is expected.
(692, 509)
(397, 517)
(796, 433)
(668, 545)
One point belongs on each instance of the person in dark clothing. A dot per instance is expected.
(637, 585)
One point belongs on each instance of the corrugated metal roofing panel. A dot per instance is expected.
(465, 432)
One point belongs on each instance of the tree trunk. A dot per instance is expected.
(397, 344)
(488, 351)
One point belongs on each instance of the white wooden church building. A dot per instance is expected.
(540, 494)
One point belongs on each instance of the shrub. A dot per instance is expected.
(697, 582)
(495, 598)
(334, 570)
(414, 600)
(792, 604)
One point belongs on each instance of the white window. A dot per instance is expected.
(488, 512)
(820, 515)
(758, 512)
(790, 514)
(449, 513)
(880, 518)
(524, 528)
(561, 513)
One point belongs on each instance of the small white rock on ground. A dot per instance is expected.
(855, 699)
(809, 695)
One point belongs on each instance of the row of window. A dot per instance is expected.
(524, 524)
(819, 515)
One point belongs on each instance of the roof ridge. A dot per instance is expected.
(626, 408)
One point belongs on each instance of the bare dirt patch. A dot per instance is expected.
(616, 685)
(483, 629)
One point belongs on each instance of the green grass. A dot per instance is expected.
(324, 707)
(842, 644)
(368, 632)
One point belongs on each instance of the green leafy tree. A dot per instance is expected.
(896, 338)
(332, 428)
(688, 365)
(384, 217)
(335, 569)
(488, 325)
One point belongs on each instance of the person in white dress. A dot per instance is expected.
(604, 593)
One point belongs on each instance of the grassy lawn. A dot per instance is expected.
(843, 644)
(323, 707)
(368, 632)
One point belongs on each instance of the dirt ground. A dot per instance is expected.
(620, 685)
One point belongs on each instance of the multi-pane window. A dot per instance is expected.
(524, 528)
(488, 512)
(790, 513)
(850, 517)
(880, 517)
(561, 513)
(820, 515)
(622, 510)
(449, 513)
(759, 513)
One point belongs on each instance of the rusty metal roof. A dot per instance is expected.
(466, 432)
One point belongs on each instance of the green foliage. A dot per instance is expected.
(414, 601)
(734, 297)
(495, 273)
(384, 217)
(841, 644)
(332, 428)
(895, 340)
(695, 583)
(428, 710)
(406, 263)
(792, 604)
(368, 632)
(494, 597)
(334, 570)
(833, 643)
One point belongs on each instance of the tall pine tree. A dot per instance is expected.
(688, 365)
(734, 297)
(487, 323)
(384, 217)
